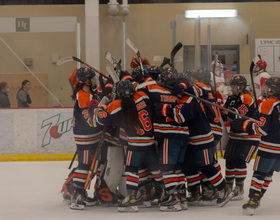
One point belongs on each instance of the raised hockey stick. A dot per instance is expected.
(165, 61)
(254, 61)
(218, 106)
(177, 47)
(113, 60)
(86, 64)
(63, 60)
(214, 70)
(95, 161)
(135, 49)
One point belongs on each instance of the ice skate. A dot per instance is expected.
(195, 198)
(170, 203)
(77, 202)
(129, 204)
(254, 202)
(225, 196)
(143, 199)
(66, 199)
(238, 192)
(156, 194)
(209, 195)
(183, 199)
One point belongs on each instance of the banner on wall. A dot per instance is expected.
(55, 131)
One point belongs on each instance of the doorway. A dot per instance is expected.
(228, 54)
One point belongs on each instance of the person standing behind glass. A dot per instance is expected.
(23, 94)
(4, 99)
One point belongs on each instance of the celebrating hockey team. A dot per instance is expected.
(152, 136)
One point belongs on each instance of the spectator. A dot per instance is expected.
(4, 99)
(23, 94)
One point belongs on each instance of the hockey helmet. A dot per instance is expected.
(124, 89)
(137, 74)
(261, 64)
(154, 71)
(185, 76)
(239, 81)
(169, 76)
(135, 62)
(202, 75)
(273, 85)
(228, 73)
(85, 75)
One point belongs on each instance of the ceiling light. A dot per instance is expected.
(217, 13)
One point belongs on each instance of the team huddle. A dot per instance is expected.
(159, 130)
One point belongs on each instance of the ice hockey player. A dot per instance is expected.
(132, 111)
(241, 145)
(260, 77)
(173, 139)
(267, 159)
(86, 136)
(199, 148)
(219, 78)
(225, 90)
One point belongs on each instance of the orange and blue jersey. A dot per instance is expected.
(245, 105)
(188, 113)
(111, 116)
(201, 135)
(85, 134)
(212, 113)
(165, 127)
(268, 128)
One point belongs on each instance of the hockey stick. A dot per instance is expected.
(177, 47)
(218, 106)
(86, 64)
(214, 70)
(95, 161)
(63, 60)
(113, 60)
(254, 61)
(72, 161)
(135, 49)
(165, 62)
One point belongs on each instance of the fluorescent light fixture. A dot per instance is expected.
(217, 13)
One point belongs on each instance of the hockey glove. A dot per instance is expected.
(178, 88)
(93, 102)
(161, 109)
(241, 125)
(231, 115)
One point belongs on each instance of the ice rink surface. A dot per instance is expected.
(31, 191)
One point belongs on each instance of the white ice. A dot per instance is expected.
(31, 191)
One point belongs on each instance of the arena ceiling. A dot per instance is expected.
(61, 2)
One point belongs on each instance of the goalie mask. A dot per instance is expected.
(125, 89)
(135, 62)
(85, 76)
(273, 86)
(169, 76)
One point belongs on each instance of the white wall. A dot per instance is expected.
(36, 131)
